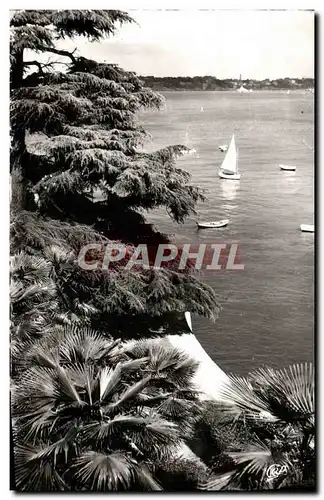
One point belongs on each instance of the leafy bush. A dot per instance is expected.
(179, 474)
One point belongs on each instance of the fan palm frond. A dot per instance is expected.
(39, 355)
(180, 411)
(100, 472)
(33, 475)
(110, 379)
(155, 433)
(140, 431)
(240, 401)
(30, 268)
(60, 447)
(289, 392)
(164, 361)
(256, 458)
(83, 345)
(75, 344)
(104, 429)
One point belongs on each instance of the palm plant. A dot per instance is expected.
(87, 415)
(33, 300)
(277, 408)
(172, 391)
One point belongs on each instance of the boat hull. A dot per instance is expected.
(213, 225)
(288, 168)
(307, 228)
(232, 177)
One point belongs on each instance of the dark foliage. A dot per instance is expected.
(270, 419)
(181, 474)
(80, 175)
(92, 414)
(88, 412)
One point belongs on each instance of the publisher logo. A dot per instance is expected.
(276, 470)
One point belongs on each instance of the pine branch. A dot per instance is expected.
(59, 52)
(35, 63)
(41, 66)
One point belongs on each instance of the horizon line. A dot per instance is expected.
(230, 78)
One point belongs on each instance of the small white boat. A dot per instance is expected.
(242, 90)
(229, 167)
(232, 177)
(307, 228)
(213, 225)
(290, 168)
(223, 148)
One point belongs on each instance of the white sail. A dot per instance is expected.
(209, 378)
(188, 318)
(229, 164)
(190, 150)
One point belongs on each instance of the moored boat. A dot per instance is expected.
(213, 224)
(307, 228)
(290, 168)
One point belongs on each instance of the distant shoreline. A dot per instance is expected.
(210, 83)
(283, 91)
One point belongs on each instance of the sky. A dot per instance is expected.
(257, 44)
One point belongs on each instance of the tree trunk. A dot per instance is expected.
(17, 70)
(18, 148)
(17, 190)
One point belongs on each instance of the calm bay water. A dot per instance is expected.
(268, 308)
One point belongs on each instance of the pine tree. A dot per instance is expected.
(74, 133)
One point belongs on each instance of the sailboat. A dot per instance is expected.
(242, 90)
(190, 151)
(229, 167)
